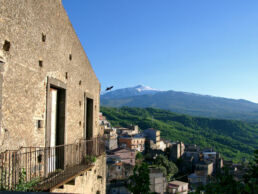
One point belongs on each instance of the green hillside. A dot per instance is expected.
(234, 139)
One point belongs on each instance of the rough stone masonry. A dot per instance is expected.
(38, 44)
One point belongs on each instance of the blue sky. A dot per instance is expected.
(202, 46)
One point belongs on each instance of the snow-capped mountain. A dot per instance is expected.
(182, 102)
(131, 91)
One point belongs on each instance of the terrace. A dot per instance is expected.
(46, 168)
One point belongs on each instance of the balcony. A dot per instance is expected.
(47, 167)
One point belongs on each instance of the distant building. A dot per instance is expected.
(132, 130)
(192, 151)
(158, 181)
(110, 138)
(236, 170)
(132, 142)
(152, 134)
(117, 187)
(125, 155)
(118, 170)
(192, 148)
(103, 121)
(201, 176)
(206, 167)
(176, 150)
(178, 187)
(187, 164)
(153, 141)
(197, 179)
(213, 157)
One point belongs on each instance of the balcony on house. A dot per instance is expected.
(48, 167)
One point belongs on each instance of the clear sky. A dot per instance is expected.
(201, 46)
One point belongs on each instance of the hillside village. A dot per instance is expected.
(53, 137)
(196, 166)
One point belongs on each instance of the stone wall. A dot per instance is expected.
(38, 44)
(43, 44)
(89, 182)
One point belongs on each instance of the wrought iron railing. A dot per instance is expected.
(47, 167)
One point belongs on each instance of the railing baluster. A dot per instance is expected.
(9, 172)
(46, 162)
(15, 162)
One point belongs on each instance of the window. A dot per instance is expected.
(7, 45)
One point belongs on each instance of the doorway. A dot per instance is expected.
(88, 114)
(55, 126)
(88, 125)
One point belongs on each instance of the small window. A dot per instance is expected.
(40, 124)
(44, 37)
(7, 45)
(40, 63)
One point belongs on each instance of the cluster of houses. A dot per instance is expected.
(122, 145)
(197, 166)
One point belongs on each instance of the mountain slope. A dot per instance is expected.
(182, 102)
(128, 92)
(234, 139)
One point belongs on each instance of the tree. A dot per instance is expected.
(139, 158)
(168, 168)
(251, 177)
(224, 183)
(139, 182)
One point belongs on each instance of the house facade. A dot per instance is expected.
(177, 150)
(158, 182)
(132, 142)
(49, 98)
(152, 134)
(177, 187)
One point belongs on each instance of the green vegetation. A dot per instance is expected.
(139, 182)
(185, 103)
(233, 139)
(22, 185)
(90, 159)
(168, 168)
(225, 183)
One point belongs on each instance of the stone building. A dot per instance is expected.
(205, 166)
(126, 155)
(177, 150)
(131, 130)
(49, 97)
(152, 134)
(214, 157)
(118, 170)
(110, 138)
(132, 142)
(197, 179)
(175, 187)
(158, 182)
